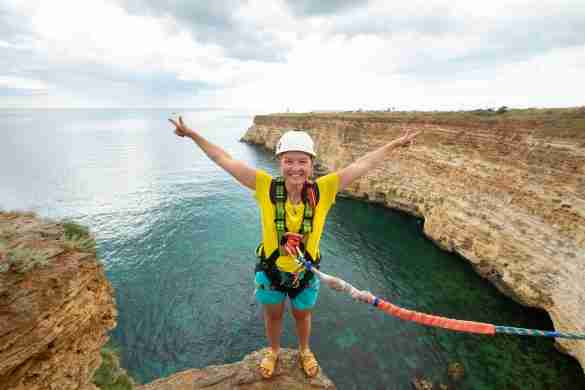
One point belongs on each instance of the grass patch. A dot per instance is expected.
(110, 376)
(8, 231)
(79, 244)
(21, 260)
(77, 238)
(73, 229)
(4, 266)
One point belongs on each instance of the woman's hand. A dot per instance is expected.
(238, 169)
(181, 128)
(368, 162)
(407, 139)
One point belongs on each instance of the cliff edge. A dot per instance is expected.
(56, 305)
(507, 192)
(244, 375)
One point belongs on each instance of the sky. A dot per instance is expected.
(292, 55)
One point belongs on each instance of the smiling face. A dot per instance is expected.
(296, 167)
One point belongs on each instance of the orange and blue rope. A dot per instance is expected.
(423, 318)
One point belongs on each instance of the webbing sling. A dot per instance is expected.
(278, 197)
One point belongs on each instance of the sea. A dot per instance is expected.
(176, 235)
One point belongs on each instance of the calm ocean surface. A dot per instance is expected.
(177, 234)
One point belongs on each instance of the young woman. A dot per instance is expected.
(290, 205)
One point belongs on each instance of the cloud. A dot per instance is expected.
(439, 39)
(20, 66)
(268, 56)
(117, 87)
(218, 22)
(83, 63)
(21, 83)
(13, 21)
(306, 8)
(7, 91)
(386, 19)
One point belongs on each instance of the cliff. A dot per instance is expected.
(56, 305)
(505, 191)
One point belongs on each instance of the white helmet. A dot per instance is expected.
(295, 141)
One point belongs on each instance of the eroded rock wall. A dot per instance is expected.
(56, 307)
(509, 197)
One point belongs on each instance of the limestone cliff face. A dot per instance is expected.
(508, 196)
(56, 306)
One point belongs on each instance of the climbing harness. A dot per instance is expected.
(421, 318)
(309, 196)
(291, 283)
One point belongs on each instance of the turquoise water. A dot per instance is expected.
(176, 235)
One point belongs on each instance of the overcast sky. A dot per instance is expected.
(274, 55)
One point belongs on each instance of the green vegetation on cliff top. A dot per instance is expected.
(19, 251)
(565, 122)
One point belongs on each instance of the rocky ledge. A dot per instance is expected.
(244, 375)
(506, 192)
(56, 305)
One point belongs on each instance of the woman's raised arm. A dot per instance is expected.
(364, 164)
(243, 173)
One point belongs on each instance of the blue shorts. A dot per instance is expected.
(306, 300)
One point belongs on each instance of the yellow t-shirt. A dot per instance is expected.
(328, 187)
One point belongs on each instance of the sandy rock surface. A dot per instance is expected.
(244, 375)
